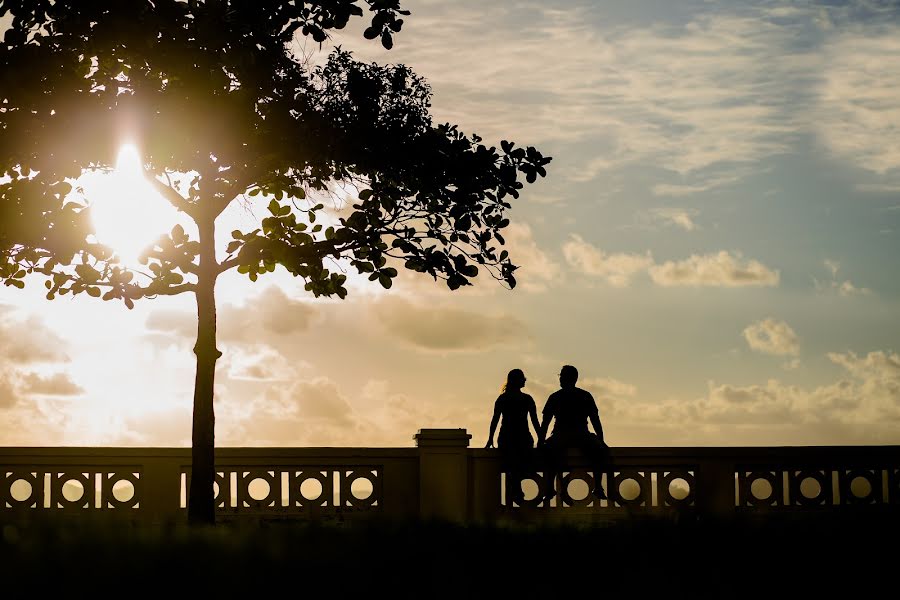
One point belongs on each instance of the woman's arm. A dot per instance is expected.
(494, 421)
(532, 412)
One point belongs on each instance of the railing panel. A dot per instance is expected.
(444, 479)
(713, 482)
(151, 484)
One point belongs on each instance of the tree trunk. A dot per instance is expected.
(201, 501)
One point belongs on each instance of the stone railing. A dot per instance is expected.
(443, 478)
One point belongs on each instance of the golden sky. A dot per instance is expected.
(714, 248)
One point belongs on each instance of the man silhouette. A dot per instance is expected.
(572, 407)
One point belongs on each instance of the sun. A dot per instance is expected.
(128, 214)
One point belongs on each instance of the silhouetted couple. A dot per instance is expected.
(571, 407)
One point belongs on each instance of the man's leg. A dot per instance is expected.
(554, 450)
(597, 455)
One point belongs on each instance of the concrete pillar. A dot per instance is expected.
(443, 474)
(715, 489)
(161, 494)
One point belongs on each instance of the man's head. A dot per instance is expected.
(568, 375)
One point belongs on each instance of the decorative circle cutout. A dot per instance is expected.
(761, 489)
(810, 488)
(578, 489)
(259, 489)
(629, 489)
(530, 489)
(311, 489)
(123, 490)
(361, 488)
(73, 490)
(676, 488)
(17, 486)
(860, 487)
(120, 489)
(679, 489)
(21, 490)
(583, 482)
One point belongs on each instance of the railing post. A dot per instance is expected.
(715, 488)
(443, 474)
(161, 496)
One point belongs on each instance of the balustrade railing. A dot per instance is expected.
(443, 478)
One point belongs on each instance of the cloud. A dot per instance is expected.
(536, 269)
(683, 96)
(772, 337)
(316, 399)
(30, 341)
(862, 406)
(608, 386)
(880, 370)
(257, 363)
(720, 269)
(270, 313)
(678, 217)
(444, 328)
(843, 288)
(713, 270)
(58, 384)
(9, 394)
(706, 183)
(316, 412)
(617, 269)
(857, 115)
(25, 342)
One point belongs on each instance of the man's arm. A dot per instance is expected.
(594, 416)
(598, 429)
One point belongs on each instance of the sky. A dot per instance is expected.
(714, 248)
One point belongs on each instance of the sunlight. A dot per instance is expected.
(128, 213)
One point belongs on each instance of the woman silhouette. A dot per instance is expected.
(515, 440)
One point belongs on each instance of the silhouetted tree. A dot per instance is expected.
(223, 110)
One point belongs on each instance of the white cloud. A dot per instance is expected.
(57, 384)
(863, 408)
(721, 269)
(679, 217)
(447, 328)
(706, 184)
(772, 337)
(857, 115)
(29, 341)
(536, 269)
(271, 313)
(608, 386)
(617, 269)
(683, 97)
(842, 288)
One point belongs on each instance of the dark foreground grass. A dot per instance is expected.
(830, 557)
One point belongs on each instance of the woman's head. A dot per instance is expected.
(515, 380)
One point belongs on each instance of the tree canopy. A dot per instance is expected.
(210, 89)
(223, 110)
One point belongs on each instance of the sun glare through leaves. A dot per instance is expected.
(128, 214)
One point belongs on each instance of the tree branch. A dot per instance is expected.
(172, 290)
(173, 197)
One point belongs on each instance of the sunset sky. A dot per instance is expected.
(715, 248)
